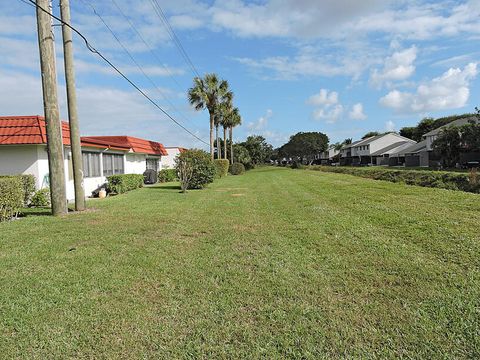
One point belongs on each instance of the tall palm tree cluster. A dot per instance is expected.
(214, 94)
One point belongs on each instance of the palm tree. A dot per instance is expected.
(234, 120)
(208, 93)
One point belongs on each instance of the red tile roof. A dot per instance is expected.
(27, 130)
(15, 130)
(136, 144)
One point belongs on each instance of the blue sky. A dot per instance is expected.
(336, 66)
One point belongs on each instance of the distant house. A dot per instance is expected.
(328, 156)
(23, 150)
(423, 154)
(346, 157)
(374, 150)
(413, 155)
(168, 161)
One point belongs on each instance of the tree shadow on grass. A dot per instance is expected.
(38, 211)
(164, 187)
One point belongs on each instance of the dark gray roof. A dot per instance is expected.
(415, 148)
(390, 147)
(458, 122)
(346, 146)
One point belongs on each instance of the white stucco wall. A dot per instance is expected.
(135, 163)
(168, 161)
(24, 159)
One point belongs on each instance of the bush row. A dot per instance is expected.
(119, 184)
(237, 169)
(12, 196)
(28, 186)
(435, 179)
(221, 167)
(167, 175)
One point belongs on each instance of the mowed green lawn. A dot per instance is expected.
(277, 263)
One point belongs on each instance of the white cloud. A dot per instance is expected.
(399, 66)
(324, 97)
(389, 126)
(310, 62)
(327, 106)
(307, 18)
(449, 91)
(261, 123)
(329, 114)
(260, 127)
(357, 112)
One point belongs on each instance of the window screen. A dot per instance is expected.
(91, 164)
(112, 164)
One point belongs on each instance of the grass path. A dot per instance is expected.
(276, 263)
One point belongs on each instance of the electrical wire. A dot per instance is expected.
(161, 14)
(132, 26)
(134, 60)
(98, 53)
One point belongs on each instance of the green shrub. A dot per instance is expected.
(237, 169)
(167, 175)
(425, 178)
(297, 165)
(119, 184)
(195, 169)
(41, 198)
(221, 166)
(28, 186)
(12, 196)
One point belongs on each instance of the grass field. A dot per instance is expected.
(277, 263)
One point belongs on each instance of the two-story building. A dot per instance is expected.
(373, 150)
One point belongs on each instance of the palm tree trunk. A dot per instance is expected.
(211, 135)
(219, 148)
(231, 144)
(225, 142)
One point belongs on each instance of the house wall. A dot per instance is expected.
(430, 140)
(168, 161)
(21, 159)
(135, 163)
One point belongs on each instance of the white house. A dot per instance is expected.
(168, 161)
(23, 150)
(367, 151)
(329, 155)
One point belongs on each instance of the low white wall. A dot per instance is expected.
(135, 163)
(168, 161)
(19, 159)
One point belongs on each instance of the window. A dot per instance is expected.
(91, 164)
(152, 164)
(112, 164)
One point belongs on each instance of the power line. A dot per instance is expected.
(161, 14)
(134, 60)
(132, 26)
(95, 51)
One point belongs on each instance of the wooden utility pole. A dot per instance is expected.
(52, 114)
(77, 161)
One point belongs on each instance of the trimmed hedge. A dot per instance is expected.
(167, 175)
(221, 165)
(12, 195)
(119, 184)
(237, 169)
(434, 179)
(28, 185)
